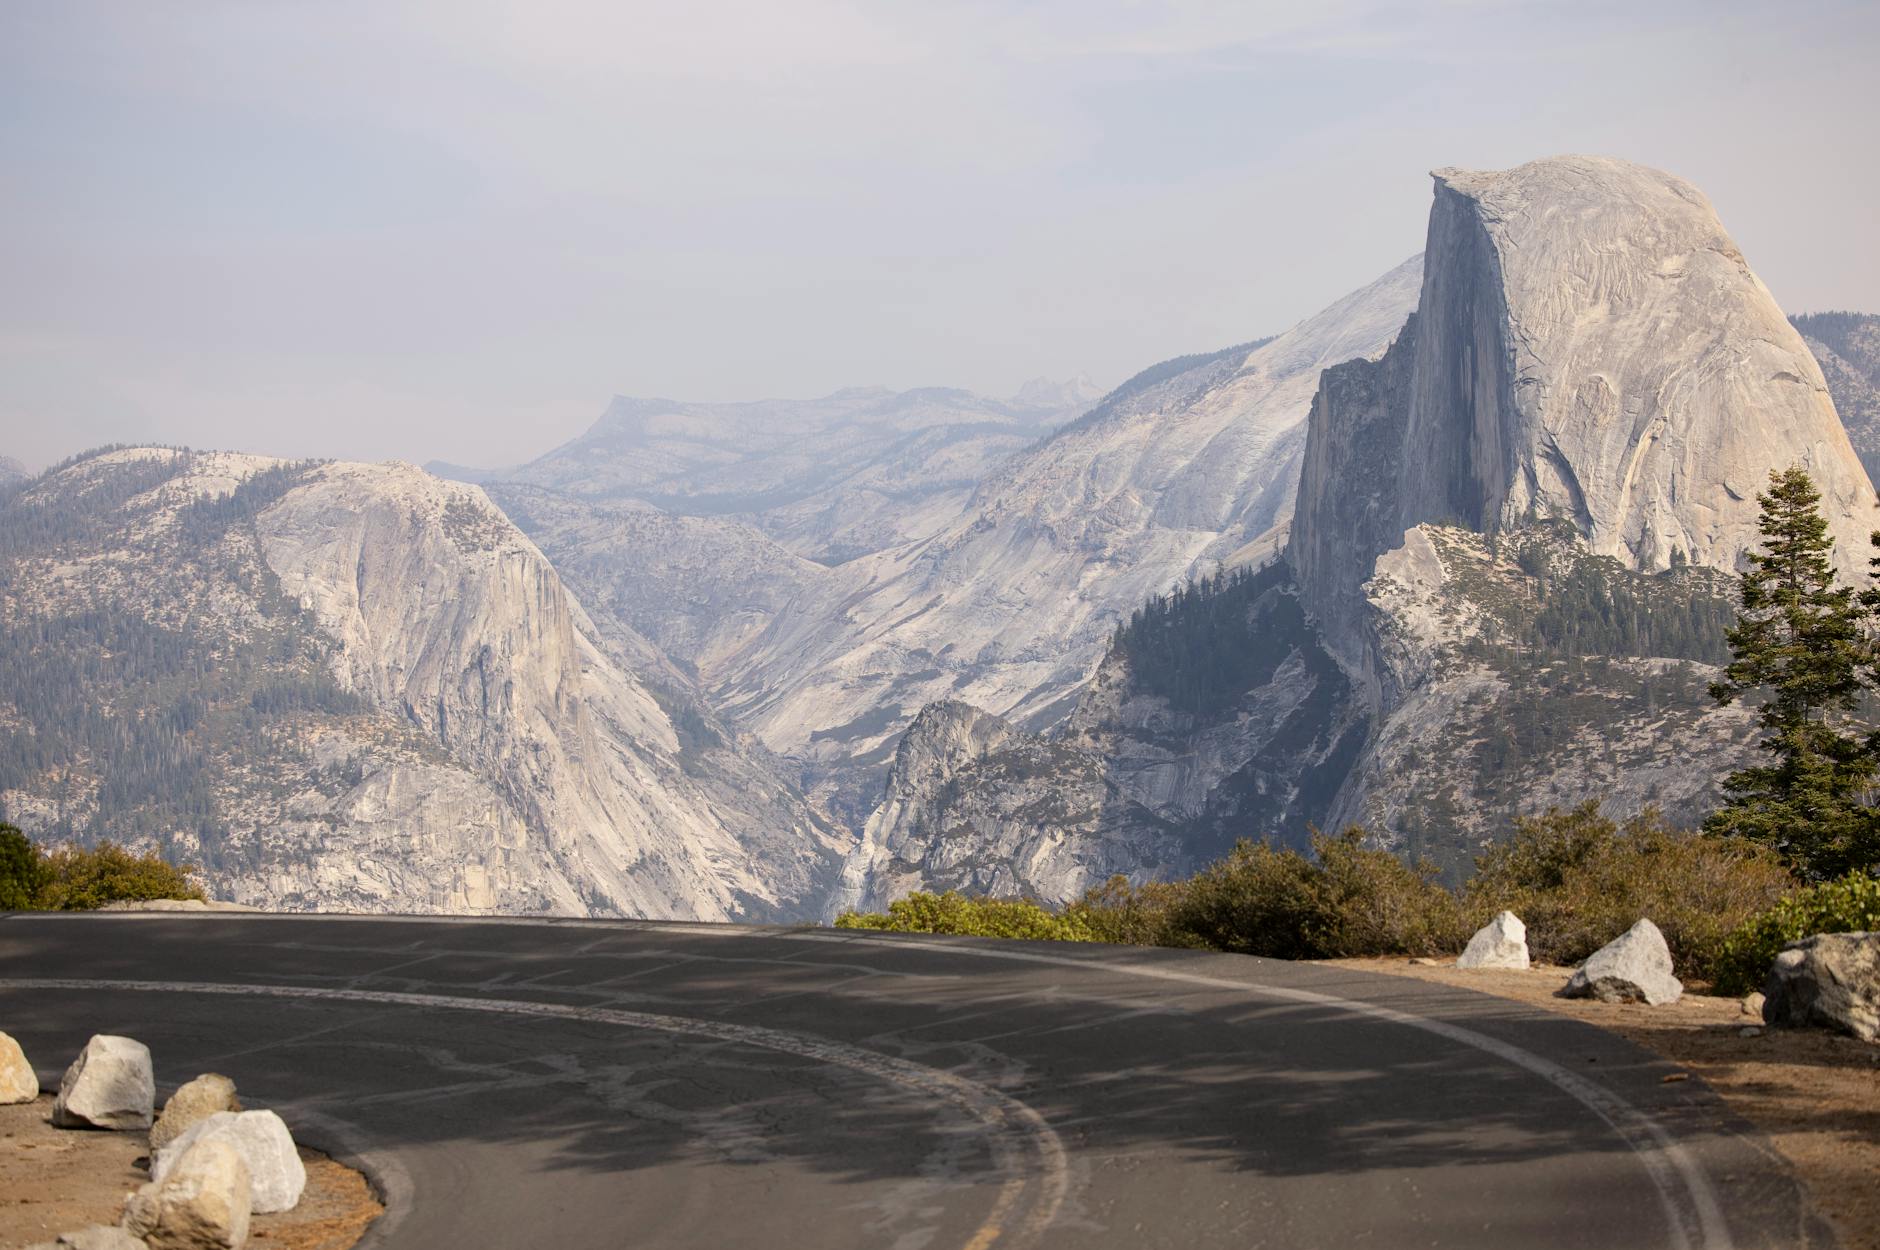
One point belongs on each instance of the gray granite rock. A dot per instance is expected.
(1830, 981)
(274, 1166)
(1634, 967)
(109, 1085)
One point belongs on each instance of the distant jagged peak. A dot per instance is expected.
(12, 470)
(1054, 395)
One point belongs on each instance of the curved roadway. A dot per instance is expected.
(515, 1084)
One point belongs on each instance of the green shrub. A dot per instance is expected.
(1132, 915)
(1850, 904)
(22, 871)
(1578, 880)
(81, 879)
(1344, 900)
(954, 913)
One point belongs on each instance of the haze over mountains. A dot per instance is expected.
(1478, 522)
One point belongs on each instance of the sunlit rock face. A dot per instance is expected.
(1589, 345)
(360, 687)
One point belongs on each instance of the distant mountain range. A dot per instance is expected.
(1458, 546)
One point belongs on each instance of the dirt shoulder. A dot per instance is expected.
(1815, 1094)
(57, 1180)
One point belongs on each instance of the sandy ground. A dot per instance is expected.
(1816, 1094)
(57, 1180)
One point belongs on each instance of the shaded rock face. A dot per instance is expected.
(1829, 981)
(1634, 967)
(1847, 346)
(109, 1085)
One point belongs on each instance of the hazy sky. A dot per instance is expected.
(386, 228)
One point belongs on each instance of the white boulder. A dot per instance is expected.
(1830, 981)
(201, 1203)
(191, 1104)
(1501, 943)
(274, 1166)
(1634, 967)
(18, 1081)
(109, 1085)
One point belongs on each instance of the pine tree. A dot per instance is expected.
(1799, 638)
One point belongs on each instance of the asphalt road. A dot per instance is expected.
(591, 1084)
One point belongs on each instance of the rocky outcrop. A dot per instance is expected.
(1214, 714)
(1634, 967)
(276, 1175)
(1501, 943)
(1828, 981)
(200, 1202)
(18, 1082)
(192, 1103)
(109, 1085)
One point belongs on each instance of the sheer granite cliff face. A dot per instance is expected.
(1591, 346)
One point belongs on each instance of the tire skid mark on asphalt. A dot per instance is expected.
(1692, 1209)
(1014, 1129)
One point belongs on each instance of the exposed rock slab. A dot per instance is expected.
(1501, 943)
(110, 1085)
(1634, 967)
(1828, 981)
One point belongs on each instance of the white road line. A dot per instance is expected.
(1014, 1128)
(1693, 1212)
(1690, 1201)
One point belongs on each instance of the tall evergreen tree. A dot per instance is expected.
(1799, 639)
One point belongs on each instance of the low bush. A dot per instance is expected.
(954, 913)
(82, 879)
(1132, 915)
(1850, 904)
(1344, 899)
(1578, 880)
